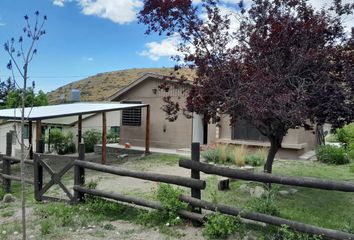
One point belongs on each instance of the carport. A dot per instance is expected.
(37, 114)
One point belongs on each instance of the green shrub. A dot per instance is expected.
(219, 226)
(112, 137)
(284, 233)
(210, 155)
(350, 151)
(255, 160)
(266, 204)
(61, 142)
(346, 134)
(91, 138)
(46, 227)
(169, 198)
(332, 138)
(2, 193)
(331, 154)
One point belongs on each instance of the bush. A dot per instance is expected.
(265, 204)
(112, 137)
(169, 198)
(219, 226)
(254, 160)
(91, 138)
(331, 154)
(284, 233)
(61, 142)
(210, 155)
(2, 194)
(345, 134)
(350, 151)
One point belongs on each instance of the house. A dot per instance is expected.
(183, 131)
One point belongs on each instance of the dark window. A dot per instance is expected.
(115, 129)
(242, 130)
(26, 132)
(131, 117)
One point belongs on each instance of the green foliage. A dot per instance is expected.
(284, 233)
(2, 193)
(169, 198)
(351, 168)
(331, 154)
(46, 227)
(346, 134)
(13, 99)
(91, 138)
(255, 160)
(219, 226)
(210, 155)
(350, 151)
(332, 138)
(61, 142)
(112, 137)
(266, 204)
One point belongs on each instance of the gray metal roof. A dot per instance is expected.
(65, 110)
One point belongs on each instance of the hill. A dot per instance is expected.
(101, 86)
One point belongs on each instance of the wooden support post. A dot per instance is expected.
(195, 174)
(30, 139)
(38, 177)
(79, 175)
(9, 144)
(104, 138)
(38, 133)
(79, 131)
(147, 131)
(6, 170)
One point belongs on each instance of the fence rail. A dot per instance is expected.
(268, 178)
(6, 174)
(156, 177)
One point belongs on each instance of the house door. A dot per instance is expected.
(205, 133)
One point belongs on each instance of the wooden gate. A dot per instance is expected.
(55, 178)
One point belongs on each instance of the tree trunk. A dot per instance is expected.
(320, 136)
(275, 144)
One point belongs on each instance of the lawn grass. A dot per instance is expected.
(329, 209)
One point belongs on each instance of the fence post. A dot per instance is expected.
(40, 146)
(38, 177)
(79, 175)
(9, 144)
(6, 169)
(196, 193)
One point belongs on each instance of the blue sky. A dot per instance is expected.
(104, 38)
(86, 37)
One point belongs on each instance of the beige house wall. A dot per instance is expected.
(164, 134)
(295, 143)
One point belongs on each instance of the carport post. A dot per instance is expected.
(38, 133)
(147, 130)
(104, 137)
(79, 131)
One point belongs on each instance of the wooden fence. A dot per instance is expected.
(194, 183)
(6, 174)
(197, 185)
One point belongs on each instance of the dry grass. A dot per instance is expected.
(103, 85)
(263, 153)
(240, 153)
(222, 153)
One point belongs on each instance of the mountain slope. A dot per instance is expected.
(103, 85)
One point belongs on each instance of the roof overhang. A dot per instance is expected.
(65, 110)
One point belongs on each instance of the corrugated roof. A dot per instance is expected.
(65, 110)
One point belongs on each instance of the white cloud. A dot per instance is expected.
(2, 23)
(166, 48)
(118, 11)
(89, 59)
(59, 3)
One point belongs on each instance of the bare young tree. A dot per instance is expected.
(21, 55)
